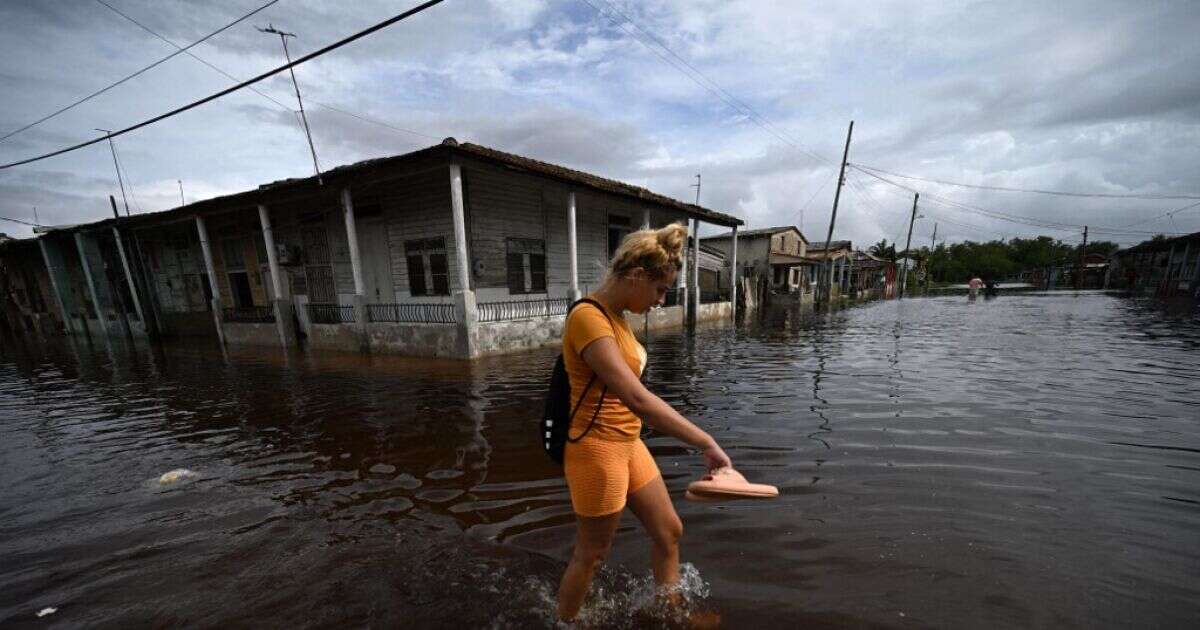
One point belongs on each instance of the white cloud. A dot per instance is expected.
(1091, 96)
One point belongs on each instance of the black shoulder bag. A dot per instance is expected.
(555, 428)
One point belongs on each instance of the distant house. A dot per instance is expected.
(871, 277)
(773, 256)
(1165, 267)
(455, 250)
(839, 256)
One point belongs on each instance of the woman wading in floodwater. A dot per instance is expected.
(610, 466)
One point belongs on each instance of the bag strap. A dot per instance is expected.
(603, 391)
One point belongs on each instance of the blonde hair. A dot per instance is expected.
(659, 251)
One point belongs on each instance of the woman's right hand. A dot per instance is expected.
(715, 458)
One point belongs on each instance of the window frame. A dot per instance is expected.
(428, 266)
(525, 258)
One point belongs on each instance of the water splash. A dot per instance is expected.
(618, 599)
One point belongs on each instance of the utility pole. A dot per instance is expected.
(908, 244)
(1082, 253)
(697, 187)
(826, 284)
(181, 201)
(929, 265)
(303, 117)
(120, 182)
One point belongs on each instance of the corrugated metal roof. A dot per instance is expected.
(448, 148)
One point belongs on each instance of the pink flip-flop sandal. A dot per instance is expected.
(727, 483)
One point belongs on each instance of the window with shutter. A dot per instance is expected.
(525, 263)
(416, 274)
(428, 267)
(438, 271)
(537, 270)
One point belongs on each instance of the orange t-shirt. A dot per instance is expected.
(615, 421)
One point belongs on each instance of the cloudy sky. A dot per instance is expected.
(1090, 97)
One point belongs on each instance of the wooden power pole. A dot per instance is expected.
(908, 243)
(1082, 254)
(826, 284)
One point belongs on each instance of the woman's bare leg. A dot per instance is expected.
(593, 539)
(652, 505)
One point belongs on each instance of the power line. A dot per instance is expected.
(135, 74)
(20, 221)
(701, 79)
(269, 73)
(190, 54)
(1170, 213)
(374, 121)
(1026, 190)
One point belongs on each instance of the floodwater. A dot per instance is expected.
(1032, 460)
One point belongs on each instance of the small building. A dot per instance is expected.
(773, 258)
(455, 250)
(872, 277)
(1165, 267)
(839, 256)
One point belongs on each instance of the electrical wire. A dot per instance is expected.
(229, 90)
(20, 221)
(135, 74)
(259, 92)
(1024, 190)
(700, 78)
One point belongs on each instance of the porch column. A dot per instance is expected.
(87, 273)
(464, 297)
(283, 320)
(51, 270)
(206, 250)
(682, 277)
(573, 247)
(693, 311)
(850, 276)
(646, 219)
(1194, 287)
(733, 276)
(133, 292)
(1187, 246)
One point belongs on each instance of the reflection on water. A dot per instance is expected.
(1027, 461)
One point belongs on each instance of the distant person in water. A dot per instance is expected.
(610, 467)
(973, 286)
(990, 289)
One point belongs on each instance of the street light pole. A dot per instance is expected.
(303, 117)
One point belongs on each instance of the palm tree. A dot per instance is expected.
(883, 250)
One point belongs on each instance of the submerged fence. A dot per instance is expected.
(522, 309)
(330, 314)
(412, 313)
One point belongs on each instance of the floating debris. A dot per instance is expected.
(47, 611)
(174, 476)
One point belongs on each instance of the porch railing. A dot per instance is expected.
(249, 314)
(412, 313)
(522, 309)
(330, 314)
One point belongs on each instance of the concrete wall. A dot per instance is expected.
(251, 334)
(190, 324)
(341, 337)
(515, 336)
(417, 340)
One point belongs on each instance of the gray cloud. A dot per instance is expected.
(1075, 95)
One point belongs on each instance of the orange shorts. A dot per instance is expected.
(601, 473)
